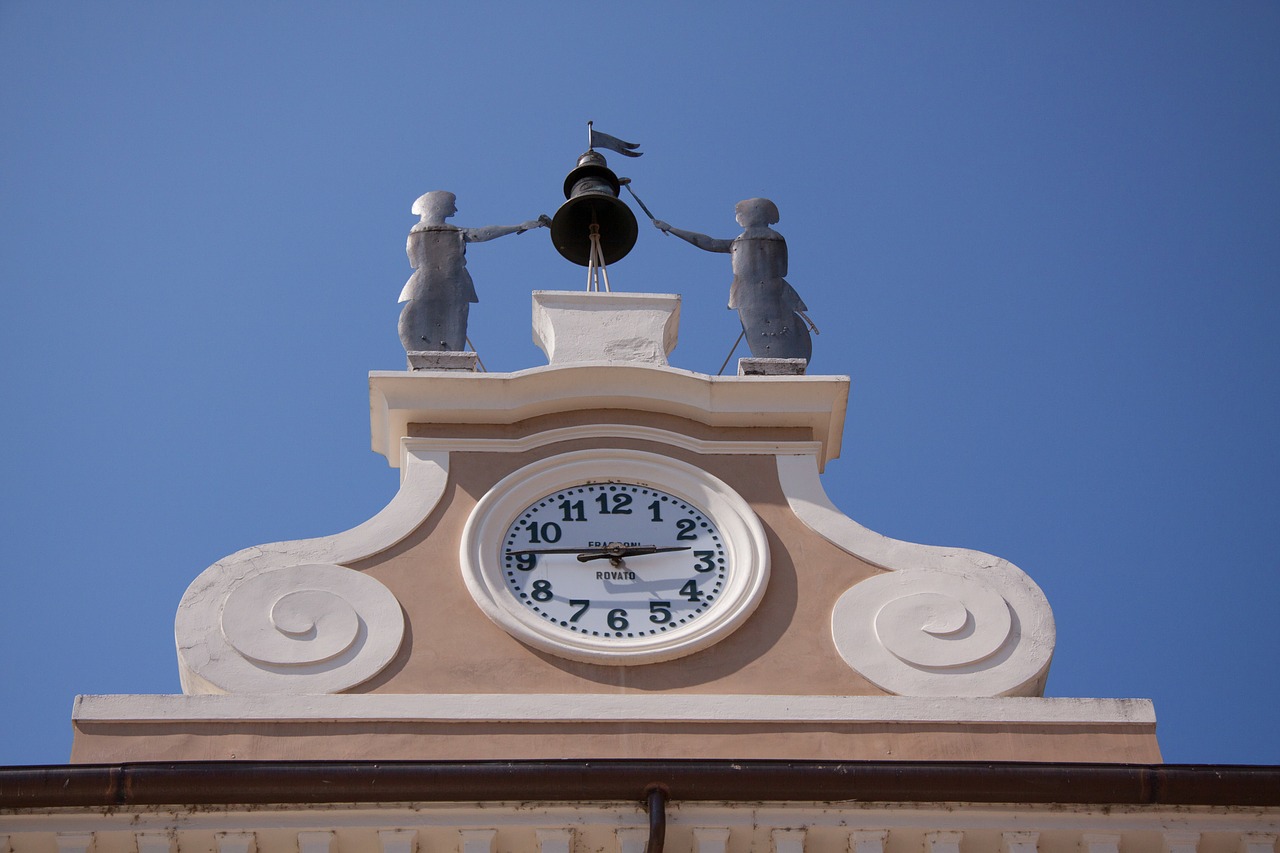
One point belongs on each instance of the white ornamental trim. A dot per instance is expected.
(610, 707)
(634, 432)
(288, 617)
(400, 398)
(942, 621)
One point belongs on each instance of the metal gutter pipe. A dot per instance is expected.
(262, 782)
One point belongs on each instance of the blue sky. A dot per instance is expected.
(1042, 239)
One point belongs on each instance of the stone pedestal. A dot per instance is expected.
(578, 326)
(434, 360)
(772, 366)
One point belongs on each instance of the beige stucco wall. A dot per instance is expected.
(452, 647)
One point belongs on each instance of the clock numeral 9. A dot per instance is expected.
(660, 612)
(525, 561)
(549, 532)
(617, 619)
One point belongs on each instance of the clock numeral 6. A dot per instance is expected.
(660, 612)
(617, 619)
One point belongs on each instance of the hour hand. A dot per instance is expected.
(616, 551)
(546, 550)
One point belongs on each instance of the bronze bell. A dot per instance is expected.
(592, 192)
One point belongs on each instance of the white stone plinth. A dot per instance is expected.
(442, 360)
(772, 366)
(576, 327)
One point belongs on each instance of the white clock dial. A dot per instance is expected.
(619, 560)
(615, 557)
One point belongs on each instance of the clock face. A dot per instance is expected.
(615, 557)
(621, 560)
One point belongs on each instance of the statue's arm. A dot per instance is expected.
(493, 232)
(702, 241)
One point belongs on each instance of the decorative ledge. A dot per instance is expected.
(612, 708)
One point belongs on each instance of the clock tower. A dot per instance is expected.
(607, 557)
(611, 609)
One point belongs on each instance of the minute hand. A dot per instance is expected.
(616, 552)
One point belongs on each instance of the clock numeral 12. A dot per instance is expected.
(621, 504)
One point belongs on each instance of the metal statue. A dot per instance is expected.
(772, 313)
(439, 294)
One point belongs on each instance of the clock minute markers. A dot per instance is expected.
(614, 524)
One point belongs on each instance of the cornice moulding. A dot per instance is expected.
(603, 707)
(399, 398)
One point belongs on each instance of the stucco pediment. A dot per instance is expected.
(860, 643)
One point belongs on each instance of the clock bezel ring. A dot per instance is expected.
(746, 546)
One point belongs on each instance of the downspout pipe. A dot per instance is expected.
(656, 805)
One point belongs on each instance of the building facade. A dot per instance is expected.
(611, 608)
